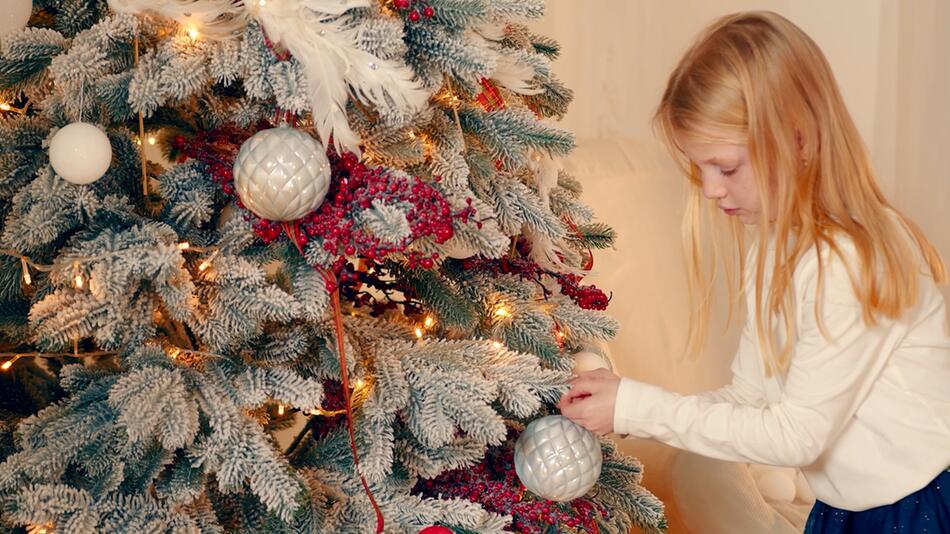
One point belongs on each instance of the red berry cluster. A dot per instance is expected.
(588, 297)
(494, 484)
(415, 14)
(353, 187)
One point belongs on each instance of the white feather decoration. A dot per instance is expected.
(546, 170)
(508, 72)
(312, 32)
(215, 19)
(544, 251)
(515, 76)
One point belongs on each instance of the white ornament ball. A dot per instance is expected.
(586, 360)
(777, 485)
(80, 153)
(16, 15)
(557, 459)
(457, 249)
(281, 174)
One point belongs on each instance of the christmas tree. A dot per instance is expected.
(290, 266)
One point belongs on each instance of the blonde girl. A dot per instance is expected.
(843, 367)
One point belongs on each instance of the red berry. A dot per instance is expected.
(401, 4)
(414, 16)
(428, 12)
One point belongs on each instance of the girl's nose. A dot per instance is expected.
(713, 188)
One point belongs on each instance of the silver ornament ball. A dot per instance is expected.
(557, 459)
(281, 174)
(80, 153)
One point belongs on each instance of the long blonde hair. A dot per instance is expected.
(756, 79)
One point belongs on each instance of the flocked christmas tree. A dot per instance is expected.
(356, 239)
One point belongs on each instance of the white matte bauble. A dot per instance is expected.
(557, 459)
(457, 249)
(80, 153)
(777, 485)
(16, 15)
(281, 174)
(586, 360)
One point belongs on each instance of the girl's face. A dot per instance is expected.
(727, 178)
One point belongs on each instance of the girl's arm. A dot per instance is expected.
(825, 384)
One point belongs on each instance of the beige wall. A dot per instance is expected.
(890, 59)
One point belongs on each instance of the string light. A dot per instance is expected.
(26, 271)
(502, 312)
(429, 322)
(316, 411)
(419, 333)
(152, 140)
(77, 280)
(203, 266)
(9, 363)
(496, 344)
(193, 32)
(280, 409)
(359, 383)
(184, 246)
(5, 107)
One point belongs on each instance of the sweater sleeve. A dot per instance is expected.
(827, 380)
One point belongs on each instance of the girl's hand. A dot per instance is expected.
(591, 399)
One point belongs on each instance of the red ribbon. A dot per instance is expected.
(589, 263)
(292, 228)
(490, 98)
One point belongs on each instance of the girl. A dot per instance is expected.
(843, 367)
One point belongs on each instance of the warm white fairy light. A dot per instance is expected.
(429, 322)
(280, 409)
(496, 344)
(5, 107)
(419, 333)
(26, 271)
(184, 246)
(502, 311)
(77, 279)
(152, 140)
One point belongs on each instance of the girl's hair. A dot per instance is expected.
(756, 79)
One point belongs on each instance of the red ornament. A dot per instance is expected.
(436, 529)
(428, 12)
(414, 16)
(401, 4)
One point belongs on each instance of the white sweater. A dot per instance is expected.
(866, 417)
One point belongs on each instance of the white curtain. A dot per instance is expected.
(890, 59)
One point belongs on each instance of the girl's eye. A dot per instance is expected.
(728, 172)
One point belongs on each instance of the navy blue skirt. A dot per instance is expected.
(925, 511)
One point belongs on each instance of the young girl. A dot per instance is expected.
(843, 368)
